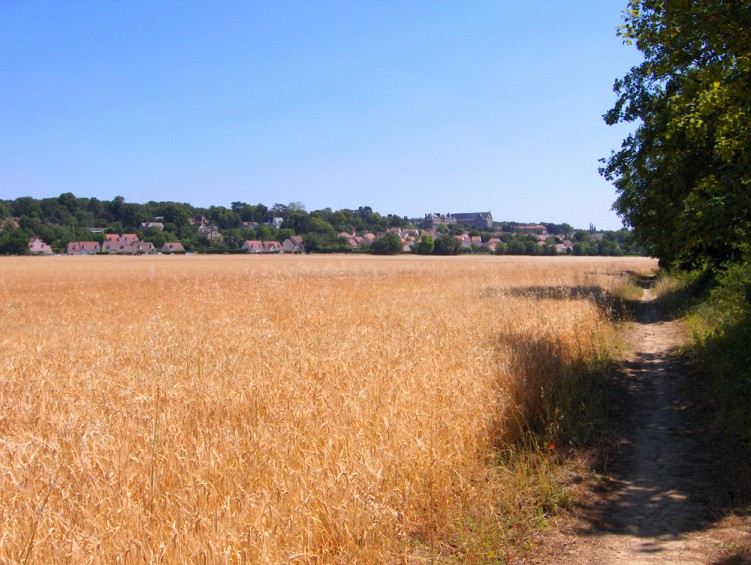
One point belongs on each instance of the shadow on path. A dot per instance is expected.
(656, 485)
(654, 495)
(658, 480)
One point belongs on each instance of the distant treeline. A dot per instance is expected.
(67, 218)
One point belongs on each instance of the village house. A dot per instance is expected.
(11, 221)
(83, 248)
(171, 247)
(272, 247)
(136, 248)
(464, 239)
(293, 244)
(209, 230)
(38, 247)
(408, 244)
(144, 248)
(113, 246)
(157, 225)
(532, 229)
(113, 243)
(126, 244)
(352, 240)
(492, 244)
(255, 246)
(252, 246)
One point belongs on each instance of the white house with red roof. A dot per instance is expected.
(83, 248)
(172, 247)
(252, 246)
(272, 247)
(256, 246)
(38, 247)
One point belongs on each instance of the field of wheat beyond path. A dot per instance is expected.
(278, 409)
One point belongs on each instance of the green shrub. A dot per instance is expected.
(722, 343)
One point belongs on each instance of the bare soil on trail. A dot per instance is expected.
(651, 502)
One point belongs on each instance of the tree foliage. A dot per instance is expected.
(387, 244)
(683, 178)
(426, 245)
(14, 241)
(446, 245)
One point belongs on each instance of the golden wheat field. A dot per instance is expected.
(306, 409)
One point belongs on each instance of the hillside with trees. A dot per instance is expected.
(219, 229)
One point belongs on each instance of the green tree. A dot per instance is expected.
(223, 218)
(388, 244)
(320, 237)
(283, 234)
(364, 211)
(447, 245)
(68, 200)
(25, 206)
(683, 178)
(532, 248)
(456, 229)
(14, 241)
(176, 213)
(323, 243)
(426, 245)
(296, 221)
(516, 247)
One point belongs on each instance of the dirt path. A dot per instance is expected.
(652, 507)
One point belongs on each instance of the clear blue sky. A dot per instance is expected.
(405, 106)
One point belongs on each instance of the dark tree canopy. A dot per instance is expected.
(446, 245)
(683, 178)
(426, 245)
(388, 244)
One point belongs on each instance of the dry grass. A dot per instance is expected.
(278, 409)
